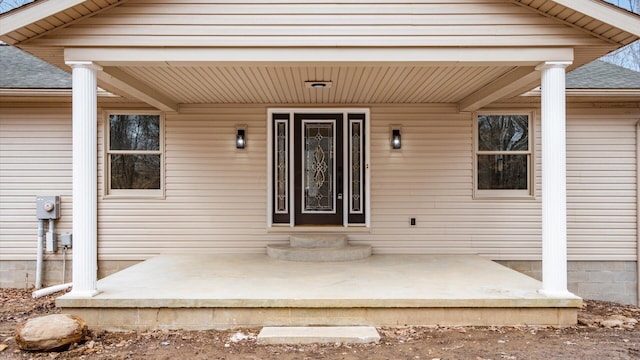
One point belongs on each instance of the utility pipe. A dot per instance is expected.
(638, 210)
(50, 290)
(40, 254)
(52, 230)
(64, 264)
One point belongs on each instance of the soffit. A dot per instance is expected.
(42, 25)
(355, 84)
(576, 19)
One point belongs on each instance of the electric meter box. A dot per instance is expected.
(47, 207)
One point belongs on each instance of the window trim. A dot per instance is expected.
(109, 193)
(502, 194)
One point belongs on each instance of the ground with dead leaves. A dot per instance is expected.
(605, 331)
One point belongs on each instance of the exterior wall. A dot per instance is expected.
(601, 184)
(35, 159)
(216, 195)
(301, 23)
(598, 280)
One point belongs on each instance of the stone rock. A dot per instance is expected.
(50, 333)
(612, 323)
(589, 320)
(626, 320)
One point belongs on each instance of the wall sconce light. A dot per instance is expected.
(396, 139)
(241, 139)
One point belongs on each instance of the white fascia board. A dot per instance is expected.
(33, 13)
(480, 56)
(47, 92)
(607, 13)
(590, 92)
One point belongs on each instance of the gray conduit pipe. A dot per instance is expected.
(40, 254)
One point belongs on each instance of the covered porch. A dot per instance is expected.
(215, 291)
(450, 69)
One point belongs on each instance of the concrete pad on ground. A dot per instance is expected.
(318, 335)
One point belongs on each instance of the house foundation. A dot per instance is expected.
(230, 291)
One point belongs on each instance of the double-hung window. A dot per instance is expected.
(134, 154)
(503, 155)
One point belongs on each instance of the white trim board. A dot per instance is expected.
(345, 55)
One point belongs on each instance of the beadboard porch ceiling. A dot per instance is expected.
(356, 84)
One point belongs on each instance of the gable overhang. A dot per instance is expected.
(42, 16)
(595, 10)
(594, 16)
(471, 76)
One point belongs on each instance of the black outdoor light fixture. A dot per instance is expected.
(241, 140)
(396, 139)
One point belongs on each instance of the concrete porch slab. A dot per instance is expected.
(253, 290)
(318, 335)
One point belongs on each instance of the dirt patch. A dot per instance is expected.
(605, 330)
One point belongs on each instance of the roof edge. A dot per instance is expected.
(37, 11)
(52, 92)
(607, 13)
(590, 92)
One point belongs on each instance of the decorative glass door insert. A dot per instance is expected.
(319, 166)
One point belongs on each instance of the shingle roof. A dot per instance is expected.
(603, 75)
(19, 70)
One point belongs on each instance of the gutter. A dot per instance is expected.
(47, 92)
(591, 92)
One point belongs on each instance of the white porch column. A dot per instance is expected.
(554, 180)
(85, 178)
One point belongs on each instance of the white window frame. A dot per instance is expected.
(132, 193)
(489, 194)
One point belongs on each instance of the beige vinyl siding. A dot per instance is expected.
(324, 23)
(216, 195)
(35, 159)
(601, 184)
(431, 179)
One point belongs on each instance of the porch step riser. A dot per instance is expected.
(346, 253)
(318, 248)
(318, 241)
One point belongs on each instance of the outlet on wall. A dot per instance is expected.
(412, 221)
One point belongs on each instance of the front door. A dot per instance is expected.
(318, 169)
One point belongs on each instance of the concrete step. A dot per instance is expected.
(345, 253)
(318, 241)
(318, 335)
